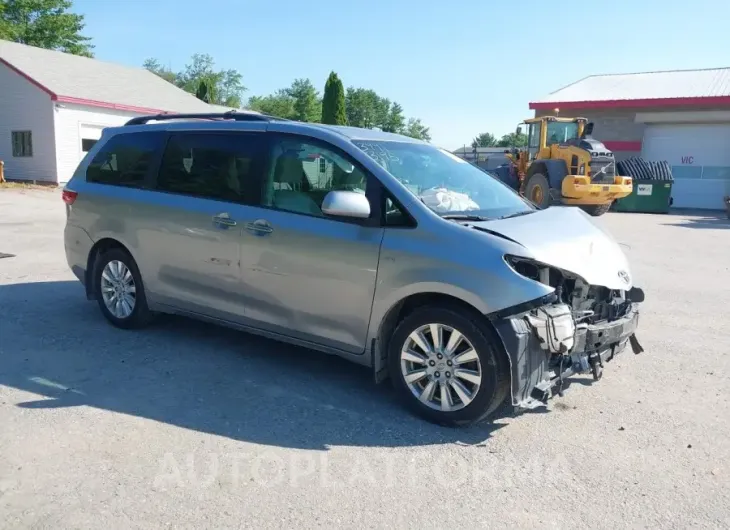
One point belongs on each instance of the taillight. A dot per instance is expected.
(69, 196)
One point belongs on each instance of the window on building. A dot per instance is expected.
(213, 166)
(22, 143)
(125, 160)
(87, 144)
(296, 181)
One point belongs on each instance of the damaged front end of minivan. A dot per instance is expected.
(574, 330)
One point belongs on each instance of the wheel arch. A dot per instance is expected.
(405, 306)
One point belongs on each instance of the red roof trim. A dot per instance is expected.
(28, 78)
(105, 105)
(633, 103)
(619, 145)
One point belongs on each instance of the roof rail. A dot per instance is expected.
(230, 115)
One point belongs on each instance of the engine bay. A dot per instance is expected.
(590, 304)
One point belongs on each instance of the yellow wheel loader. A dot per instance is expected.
(564, 164)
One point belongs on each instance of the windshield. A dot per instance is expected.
(445, 183)
(561, 132)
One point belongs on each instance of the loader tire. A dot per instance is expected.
(537, 190)
(596, 210)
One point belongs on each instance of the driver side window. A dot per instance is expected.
(302, 173)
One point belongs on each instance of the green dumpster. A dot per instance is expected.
(648, 196)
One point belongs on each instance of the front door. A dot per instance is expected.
(306, 275)
(191, 225)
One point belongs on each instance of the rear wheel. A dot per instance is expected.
(119, 290)
(597, 210)
(537, 190)
(446, 366)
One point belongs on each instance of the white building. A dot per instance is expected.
(53, 107)
(680, 116)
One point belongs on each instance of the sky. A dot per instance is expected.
(464, 67)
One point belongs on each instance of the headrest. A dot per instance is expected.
(288, 170)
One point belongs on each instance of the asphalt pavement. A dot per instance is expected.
(186, 425)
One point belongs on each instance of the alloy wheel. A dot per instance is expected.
(441, 367)
(118, 289)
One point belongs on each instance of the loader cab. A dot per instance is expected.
(545, 131)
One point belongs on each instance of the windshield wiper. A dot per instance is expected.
(516, 214)
(465, 217)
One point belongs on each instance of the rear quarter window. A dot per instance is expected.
(126, 159)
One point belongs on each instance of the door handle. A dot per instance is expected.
(259, 227)
(223, 219)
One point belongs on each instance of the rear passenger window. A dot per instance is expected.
(213, 166)
(125, 159)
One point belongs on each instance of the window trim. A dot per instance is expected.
(12, 143)
(411, 222)
(248, 199)
(152, 167)
(373, 187)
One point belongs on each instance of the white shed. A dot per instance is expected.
(53, 107)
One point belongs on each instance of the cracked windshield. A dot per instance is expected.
(445, 183)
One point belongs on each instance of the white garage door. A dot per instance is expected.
(700, 160)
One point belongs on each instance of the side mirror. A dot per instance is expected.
(346, 204)
(518, 131)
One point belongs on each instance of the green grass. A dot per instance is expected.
(19, 185)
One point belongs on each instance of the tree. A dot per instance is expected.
(396, 121)
(361, 107)
(307, 104)
(484, 140)
(154, 66)
(45, 24)
(513, 140)
(415, 129)
(279, 104)
(202, 92)
(381, 112)
(223, 87)
(333, 101)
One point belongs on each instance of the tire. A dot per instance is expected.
(140, 315)
(488, 362)
(597, 210)
(538, 184)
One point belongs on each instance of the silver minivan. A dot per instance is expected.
(382, 249)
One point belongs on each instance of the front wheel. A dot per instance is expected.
(446, 367)
(596, 210)
(537, 190)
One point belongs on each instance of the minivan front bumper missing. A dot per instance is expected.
(539, 371)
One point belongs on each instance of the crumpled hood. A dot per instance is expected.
(567, 238)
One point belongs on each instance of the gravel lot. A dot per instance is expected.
(188, 425)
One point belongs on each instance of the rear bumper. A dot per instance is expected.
(538, 374)
(580, 190)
